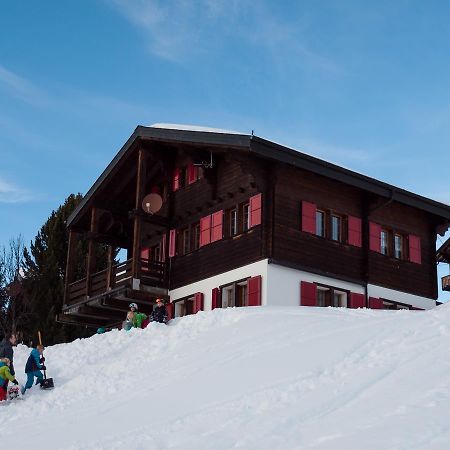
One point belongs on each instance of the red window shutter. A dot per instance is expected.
(169, 309)
(163, 248)
(308, 294)
(198, 303)
(354, 231)
(176, 180)
(192, 174)
(255, 210)
(145, 253)
(172, 243)
(216, 226)
(415, 253)
(215, 295)
(357, 300)
(205, 230)
(309, 217)
(375, 303)
(375, 237)
(254, 291)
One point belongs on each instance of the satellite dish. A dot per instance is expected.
(152, 203)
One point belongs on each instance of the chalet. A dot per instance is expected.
(215, 219)
(443, 256)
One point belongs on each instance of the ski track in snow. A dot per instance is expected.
(246, 378)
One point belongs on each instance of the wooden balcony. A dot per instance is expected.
(446, 283)
(152, 274)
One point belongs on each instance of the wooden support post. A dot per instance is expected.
(91, 262)
(70, 263)
(140, 186)
(110, 278)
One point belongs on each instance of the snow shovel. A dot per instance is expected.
(46, 383)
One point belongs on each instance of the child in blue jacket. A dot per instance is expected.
(34, 366)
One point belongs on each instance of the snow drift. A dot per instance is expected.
(249, 378)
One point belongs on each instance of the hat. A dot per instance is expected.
(133, 305)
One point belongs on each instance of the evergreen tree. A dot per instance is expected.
(15, 310)
(45, 268)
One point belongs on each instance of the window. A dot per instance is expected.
(241, 294)
(156, 253)
(339, 299)
(330, 296)
(185, 240)
(398, 246)
(228, 296)
(390, 304)
(184, 306)
(234, 294)
(320, 223)
(322, 297)
(233, 217)
(336, 228)
(384, 242)
(245, 216)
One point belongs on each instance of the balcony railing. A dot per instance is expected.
(151, 273)
(446, 283)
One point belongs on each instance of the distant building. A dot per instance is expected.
(443, 256)
(236, 220)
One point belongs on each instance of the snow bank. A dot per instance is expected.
(250, 378)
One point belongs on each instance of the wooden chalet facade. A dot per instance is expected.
(245, 221)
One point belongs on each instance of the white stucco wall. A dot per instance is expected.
(283, 285)
(207, 285)
(280, 286)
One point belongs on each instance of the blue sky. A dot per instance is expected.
(362, 84)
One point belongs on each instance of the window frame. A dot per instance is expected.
(331, 291)
(234, 287)
(321, 213)
(339, 227)
(185, 240)
(245, 217)
(233, 222)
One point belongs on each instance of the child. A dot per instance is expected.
(34, 366)
(159, 314)
(5, 376)
(134, 318)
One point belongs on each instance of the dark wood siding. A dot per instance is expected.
(216, 258)
(419, 279)
(231, 184)
(307, 251)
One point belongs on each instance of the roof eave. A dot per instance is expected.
(289, 156)
(161, 135)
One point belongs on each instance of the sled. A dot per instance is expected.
(14, 393)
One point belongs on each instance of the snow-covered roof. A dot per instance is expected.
(184, 127)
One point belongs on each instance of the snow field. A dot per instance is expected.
(246, 378)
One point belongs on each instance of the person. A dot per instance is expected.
(159, 313)
(5, 377)
(33, 367)
(134, 318)
(6, 351)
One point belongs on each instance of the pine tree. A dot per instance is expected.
(45, 268)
